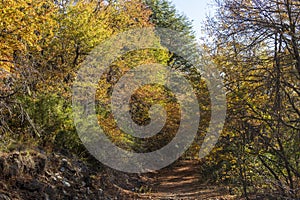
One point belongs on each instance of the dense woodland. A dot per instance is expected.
(253, 43)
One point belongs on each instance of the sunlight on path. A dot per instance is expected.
(183, 181)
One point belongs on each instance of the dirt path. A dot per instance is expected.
(182, 181)
(33, 175)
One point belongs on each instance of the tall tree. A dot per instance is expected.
(24, 25)
(165, 15)
(256, 46)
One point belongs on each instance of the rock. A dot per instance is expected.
(50, 192)
(59, 177)
(64, 163)
(47, 197)
(83, 184)
(100, 191)
(87, 180)
(62, 169)
(88, 191)
(4, 197)
(48, 174)
(67, 184)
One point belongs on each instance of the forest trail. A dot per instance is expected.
(182, 181)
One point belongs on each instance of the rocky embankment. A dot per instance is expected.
(35, 175)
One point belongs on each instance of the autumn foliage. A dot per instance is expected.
(254, 44)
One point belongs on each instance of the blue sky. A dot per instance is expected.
(195, 10)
